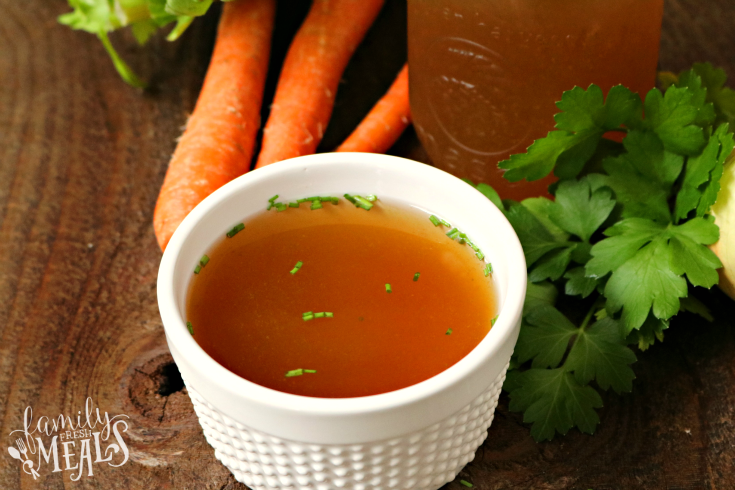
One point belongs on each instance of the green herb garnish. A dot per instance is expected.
(310, 315)
(293, 205)
(363, 203)
(488, 269)
(388, 289)
(449, 331)
(627, 233)
(296, 267)
(299, 372)
(197, 269)
(492, 322)
(466, 483)
(416, 276)
(316, 204)
(190, 327)
(435, 221)
(235, 230)
(273, 199)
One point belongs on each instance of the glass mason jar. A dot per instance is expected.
(485, 74)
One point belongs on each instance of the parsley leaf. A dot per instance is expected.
(673, 117)
(553, 401)
(644, 282)
(144, 17)
(693, 305)
(552, 265)
(534, 236)
(538, 294)
(599, 353)
(713, 79)
(626, 238)
(585, 118)
(578, 284)
(579, 211)
(689, 255)
(701, 181)
(545, 337)
(540, 158)
(652, 329)
(653, 192)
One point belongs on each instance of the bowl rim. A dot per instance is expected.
(178, 335)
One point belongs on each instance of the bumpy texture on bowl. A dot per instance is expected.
(422, 460)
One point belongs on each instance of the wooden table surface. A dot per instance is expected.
(81, 159)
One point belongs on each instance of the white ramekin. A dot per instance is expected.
(415, 438)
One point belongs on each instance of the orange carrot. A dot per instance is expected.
(385, 122)
(218, 142)
(311, 72)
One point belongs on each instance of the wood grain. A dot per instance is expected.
(81, 159)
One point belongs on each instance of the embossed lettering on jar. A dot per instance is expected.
(485, 75)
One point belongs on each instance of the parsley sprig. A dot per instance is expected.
(626, 236)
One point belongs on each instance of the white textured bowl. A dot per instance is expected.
(415, 438)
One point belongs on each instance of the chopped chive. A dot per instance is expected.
(350, 198)
(388, 288)
(310, 371)
(449, 331)
(316, 205)
(329, 314)
(473, 246)
(319, 314)
(445, 223)
(273, 199)
(492, 322)
(309, 315)
(270, 205)
(466, 483)
(293, 204)
(190, 327)
(434, 220)
(416, 276)
(453, 233)
(480, 255)
(363, 203)
(371, 197)
(296, 267)
(294, 372)
(488, 269)
(280, 206)
(197, 269)
(204, 260)
(335, 200)
(303, 199)
(235, 230)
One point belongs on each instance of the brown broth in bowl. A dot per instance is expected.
(246, 308)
